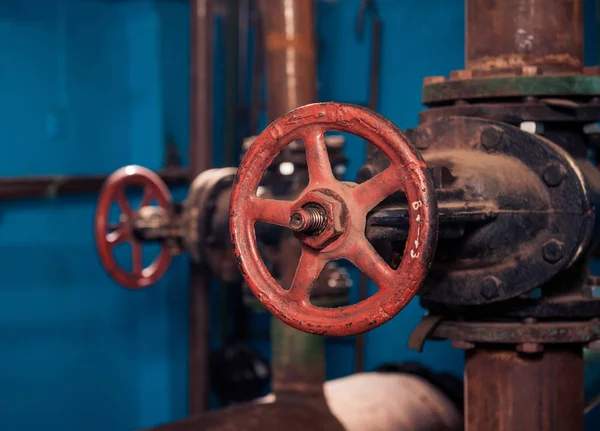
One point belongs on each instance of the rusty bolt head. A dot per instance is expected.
(553, 174)
(335, 212)
(491, 137)
(553, 251)
(530, 348)
(490, 287)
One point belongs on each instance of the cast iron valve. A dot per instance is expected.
(198, 226)
(344, 207)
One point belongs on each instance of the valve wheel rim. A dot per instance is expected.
(113, 191)
(407, 172)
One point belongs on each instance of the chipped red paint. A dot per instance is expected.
(114, 191)
(407, 172)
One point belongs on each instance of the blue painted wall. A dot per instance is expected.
(84, 90)
(90, 86)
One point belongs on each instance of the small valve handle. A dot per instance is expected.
(107, 237)
(329, 219)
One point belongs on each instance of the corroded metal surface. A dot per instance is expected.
(443, 91)
(289, 414)
(514, 210)
(531, 109)
(509, 391)
(288, 29)
(298, 365)
(200, 154)
(407, 172)
(410, 399)
(201, 38)
(206, 218)
(506, 36)
(519, 332)
(113, 191)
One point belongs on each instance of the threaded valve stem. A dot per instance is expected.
(310, 219)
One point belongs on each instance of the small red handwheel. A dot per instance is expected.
(329, 219)
(107, 237)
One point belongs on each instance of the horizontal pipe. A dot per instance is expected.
(51, 186)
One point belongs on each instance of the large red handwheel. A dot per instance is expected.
(329, 219)
(113, 191)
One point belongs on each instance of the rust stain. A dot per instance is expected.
(280, 42)
(511, 61)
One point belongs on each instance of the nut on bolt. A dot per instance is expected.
(329, 219)
(553, 251)
(553, 174)
(491, 136)
(490, 287)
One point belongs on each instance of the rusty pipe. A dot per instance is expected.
(289, 47)
(298, 361)
(288, 32)
(506, 37)
(506, 390)
(200, 160)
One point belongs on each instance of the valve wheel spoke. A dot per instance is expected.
(117, 237)
(136, 258)
(309, 268)
(271, 211)
(123, 203)
(367, 260)
(373, 191)
(147, 197)
(317, 158)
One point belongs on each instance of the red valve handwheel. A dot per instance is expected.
(114, 191)
(347, 205)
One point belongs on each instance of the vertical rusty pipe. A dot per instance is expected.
(231, 78)
(298, 366)
(509, 391)
(289, 41)
(298, 361)
(503, 36)
(200, 160)
(288, 32)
